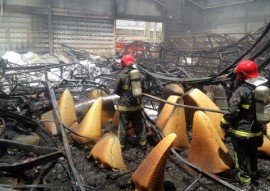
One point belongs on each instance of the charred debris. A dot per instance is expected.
(33, 159)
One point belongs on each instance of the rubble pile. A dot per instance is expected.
(57, 133)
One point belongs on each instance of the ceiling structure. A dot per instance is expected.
(208, 4)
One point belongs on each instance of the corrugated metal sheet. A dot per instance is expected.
(92, 35)
(22, 32)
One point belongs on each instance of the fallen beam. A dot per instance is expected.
(29, 163)
(4, 143)
(64, 137)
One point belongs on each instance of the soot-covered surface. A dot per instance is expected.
(177, 175)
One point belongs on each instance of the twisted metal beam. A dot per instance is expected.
(64, 137)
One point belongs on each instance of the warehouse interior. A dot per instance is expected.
(40, 25)
(59, 114)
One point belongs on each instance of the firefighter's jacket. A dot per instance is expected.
(241, 116)
(122, 87)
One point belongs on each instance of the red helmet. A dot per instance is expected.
(247, 69)
(127, 60)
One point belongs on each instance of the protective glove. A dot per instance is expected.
(225, 127)
(264, 130)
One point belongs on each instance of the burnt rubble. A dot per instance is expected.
(32, 159)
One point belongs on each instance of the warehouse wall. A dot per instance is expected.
(69, 7)
(182, 17)
(91, 35)
(20, 32)
(142, 10)
(43, 25)
(39, 25)
(85, 8)
(238, 18)
(82, 24)
(30, 3)
(212, 16)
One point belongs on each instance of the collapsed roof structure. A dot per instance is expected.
(33, 85)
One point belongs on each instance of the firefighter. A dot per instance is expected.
(241, 124)
(130, 105)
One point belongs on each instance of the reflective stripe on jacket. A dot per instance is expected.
(130, 108)
(245, 134)
(241, 115)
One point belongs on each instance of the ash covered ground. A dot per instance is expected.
(177, 175)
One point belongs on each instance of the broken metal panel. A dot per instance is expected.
(202, 41)
(206, 54)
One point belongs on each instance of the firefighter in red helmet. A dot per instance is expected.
(130, 105)
(247, 69)
(240, 122)
(127, 60)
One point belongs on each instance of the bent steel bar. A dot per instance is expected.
(209, 175)
(24, 120)
(64, 137)
(26, 147)
(69, 185)
(182, 105)
(172, 79)
(29, 163)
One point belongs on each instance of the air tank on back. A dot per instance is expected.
(262, 104)
(136, 84)
(220, 97)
